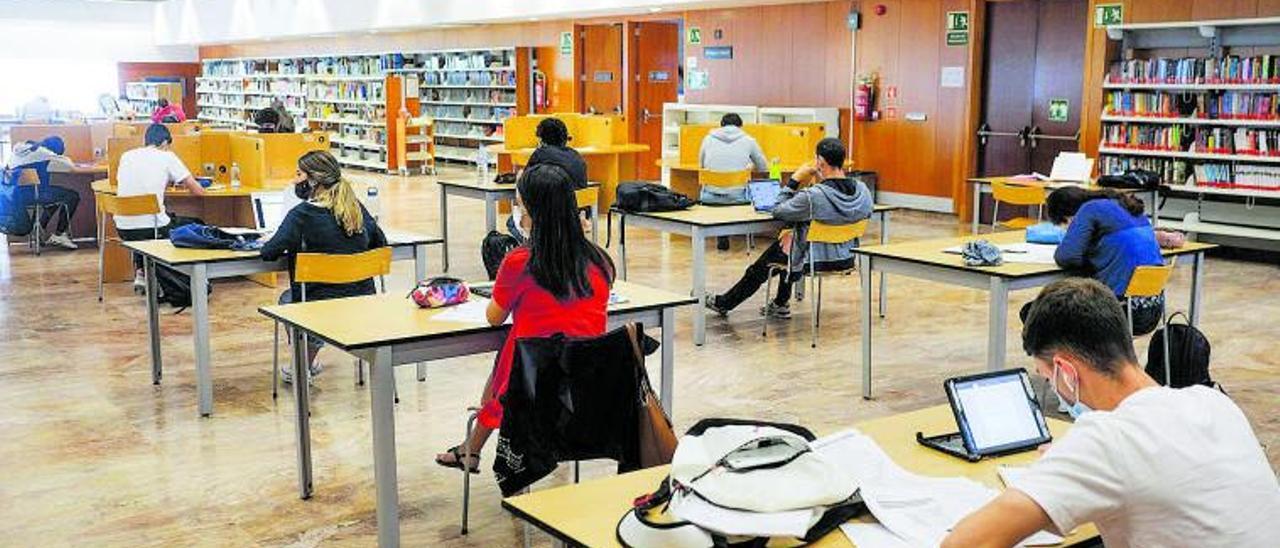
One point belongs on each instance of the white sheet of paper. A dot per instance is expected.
(1071, 166)
(872, 535)
(472, 311)
(952, 77)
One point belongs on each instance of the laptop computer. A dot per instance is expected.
(763, 194)
(997, 414)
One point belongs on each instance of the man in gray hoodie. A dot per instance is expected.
(728, 148)
(837, 200)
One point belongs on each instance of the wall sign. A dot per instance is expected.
(695, 36)
(1108, 14)
(718, 52)
(957, 28)
(566, 43)
(659, 76)
(602, 76)
(1059, 110)
(697, 79)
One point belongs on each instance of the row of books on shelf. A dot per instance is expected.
(1229, 105)
(470, 78)
(470, 96)
(1182, 138)
(479, 114)
(373, 113)
(1231, 69)
(347, 91)
(1176, 172)
(456, 60)
(358, 65)
(368, 134)
(218, 101)
(276, 87)
(458, 129)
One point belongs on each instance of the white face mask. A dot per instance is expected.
(1077, 408)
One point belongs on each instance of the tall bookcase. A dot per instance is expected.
(1199, 103)
(470, 93)
(358, 98)
(144, 97)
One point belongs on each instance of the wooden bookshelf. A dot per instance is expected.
(144, 97)
(1199, 103)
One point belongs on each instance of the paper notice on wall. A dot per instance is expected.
(697, 79)
(952, 77)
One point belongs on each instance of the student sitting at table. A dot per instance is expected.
(557, 282)
(1108, 236)
(553, 148)
(168, 113)
(43, 157)
(332, 221)
(837, 199)
(728, 148)
(150, 170)
(1148, 465)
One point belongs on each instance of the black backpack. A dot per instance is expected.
(1134, 179)
(636, 197)
(493, 249)
(1188, 354)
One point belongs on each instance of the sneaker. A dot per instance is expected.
(286, 373)
(316, 369)
(711, 305)
(62, 240)
(772, 310)
(139, 282)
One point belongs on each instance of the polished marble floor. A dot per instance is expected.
(92, 454)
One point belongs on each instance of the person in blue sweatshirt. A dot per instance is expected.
(43, 157)
(1108, 236)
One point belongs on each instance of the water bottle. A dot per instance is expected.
(482, 165)
(372, 202)
(775, 169)
(235, 175)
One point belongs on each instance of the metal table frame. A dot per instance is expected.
(997, 285)
(201, 273)
(698, 235)
(383, 359)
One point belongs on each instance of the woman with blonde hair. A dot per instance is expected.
(330, 220)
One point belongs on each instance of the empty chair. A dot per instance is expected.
(589, 198)
(1017, 195)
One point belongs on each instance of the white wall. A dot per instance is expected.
(226, 21)
(67, 50)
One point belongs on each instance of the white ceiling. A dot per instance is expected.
(199, 22)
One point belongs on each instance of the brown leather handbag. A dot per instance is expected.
(657, 438)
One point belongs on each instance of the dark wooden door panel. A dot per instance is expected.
(600, 71)
(1008, 85)
(654, 74)
(1059, 49)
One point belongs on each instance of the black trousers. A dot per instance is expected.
(137, 234)
(51, 197)
(755, 276)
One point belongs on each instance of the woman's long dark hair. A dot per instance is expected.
(559, 253)
(1066, 202)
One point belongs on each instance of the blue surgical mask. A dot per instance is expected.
(1074, 409)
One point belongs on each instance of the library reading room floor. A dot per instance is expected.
(93, 454)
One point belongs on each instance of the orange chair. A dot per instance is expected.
(819, 233)
(708, 177)
(1018, 195)
(110, 204)
(1150, 281)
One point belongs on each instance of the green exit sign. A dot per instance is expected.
(1108, 14)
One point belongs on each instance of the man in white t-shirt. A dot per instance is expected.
(150, 170)
(1148, 465)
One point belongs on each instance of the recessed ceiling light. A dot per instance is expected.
(533, 18)
(655, 9)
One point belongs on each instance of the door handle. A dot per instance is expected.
(1035, 136)
(645, 115)
(985, 133)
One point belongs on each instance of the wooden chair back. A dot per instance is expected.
(340, 269)
(145, 204)
(723, 178)
(823, 233)
(1148, 281)
(587, 197)
(1017, 194)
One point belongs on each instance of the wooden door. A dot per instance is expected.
(1058, 79)
(654, 54)
(600, 68)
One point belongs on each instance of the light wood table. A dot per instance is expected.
(587, 513)
(926, 260)
(389, 330)
(606, 164)
(982, 185)
(702, 222)
(203, 265)
(492, 194)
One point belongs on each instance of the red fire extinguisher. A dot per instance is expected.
(864, 97)
(540, 102)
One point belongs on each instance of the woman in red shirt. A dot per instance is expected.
(557, 282)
